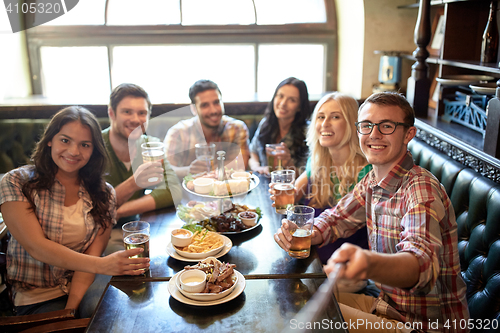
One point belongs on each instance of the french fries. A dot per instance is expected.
(204, 241)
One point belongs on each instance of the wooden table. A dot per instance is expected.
(277, 286)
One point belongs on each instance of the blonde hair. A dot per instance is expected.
(322, 166)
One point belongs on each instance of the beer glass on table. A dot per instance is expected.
(153, 152)
(284, 189)
(136, 234)
(301, 221)
(206, 153)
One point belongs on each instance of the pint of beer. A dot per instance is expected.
(284, 189)
(136, 234)
(153, 152)
(285, 197)
(301, 221)
(273, 152)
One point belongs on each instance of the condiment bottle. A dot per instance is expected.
(489, 46)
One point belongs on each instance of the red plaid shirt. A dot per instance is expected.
(181, 139)
(408, 211)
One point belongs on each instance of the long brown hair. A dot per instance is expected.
(322, 169)
(268, 132)
(90, 175)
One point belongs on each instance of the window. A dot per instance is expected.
(246, 46)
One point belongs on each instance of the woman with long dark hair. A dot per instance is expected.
(285, 121)
(60, 211)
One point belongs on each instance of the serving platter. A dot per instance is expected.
(239, 232)
(228, 244)
(176, 294)
(456, 80)
(254, 182)
(191, 220)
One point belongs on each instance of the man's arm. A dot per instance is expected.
(242, 140)
(345, 218)
(181, 172)
(427, 222)
(158, 198)
(138, 181)
(400, 270)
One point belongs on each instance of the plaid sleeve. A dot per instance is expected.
(11, 186)
(112, 206)
(345, 218)
(241, 139)
(177, 145)
(421, 230)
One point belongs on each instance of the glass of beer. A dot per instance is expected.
(206, 153)
(273, 159)
(284, 189)
(153, 152)
(300, 226)
(136, 234)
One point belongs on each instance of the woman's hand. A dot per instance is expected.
(283, 153)
(272, 193)
(198, 166)
(263, 170)
(255, 166)
(120, 263)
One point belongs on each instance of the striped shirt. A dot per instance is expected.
(181, 139)
(408, 211)
(22, 269)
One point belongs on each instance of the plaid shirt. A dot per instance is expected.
(182, 137)
(22, 269)
(407, 211)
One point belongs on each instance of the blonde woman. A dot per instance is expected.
(335, 163)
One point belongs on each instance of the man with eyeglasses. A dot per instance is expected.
(413, 256)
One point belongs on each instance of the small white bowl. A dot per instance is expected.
(203, 185)
(193, 280)
(181, 237)
(241, 175)
(248, 221)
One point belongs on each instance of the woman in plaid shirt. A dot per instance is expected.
(59, 212)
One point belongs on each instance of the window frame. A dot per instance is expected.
(110, 36)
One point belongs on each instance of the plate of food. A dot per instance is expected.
(220, 280)
(174, 252)
(456, 80)
(204, 244)
(195, 211)
(228, 223)
(206, 184)
(177, 295)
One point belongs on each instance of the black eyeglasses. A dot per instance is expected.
(384, 127)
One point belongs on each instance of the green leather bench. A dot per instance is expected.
(476, 200)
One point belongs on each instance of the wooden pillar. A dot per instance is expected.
(419, 83)
(491, 136)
